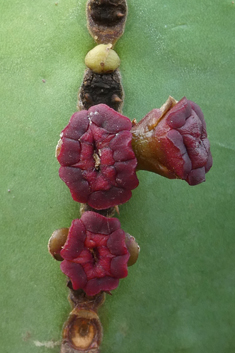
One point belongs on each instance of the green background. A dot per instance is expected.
(179, 297)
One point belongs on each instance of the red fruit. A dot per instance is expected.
(172, 141)
(96, 157)
(95, 254)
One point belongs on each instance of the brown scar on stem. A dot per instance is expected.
(106, 20)
(82, 332)
(101, 88)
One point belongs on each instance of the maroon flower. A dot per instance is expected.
(96, 157)
(95, 254)
(172, 141)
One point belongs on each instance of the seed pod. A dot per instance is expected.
(82, 332)
(102, 59)
(133, 248)
(57, 241)
(106, 19)
(101, 88)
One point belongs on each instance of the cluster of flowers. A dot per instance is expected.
(100, 151)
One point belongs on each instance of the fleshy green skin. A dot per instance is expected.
(179, 296)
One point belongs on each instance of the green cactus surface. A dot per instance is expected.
(179, 296)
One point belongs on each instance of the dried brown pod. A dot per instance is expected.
(82, 332)
(106, 19)
(56, 242)
(101, 88)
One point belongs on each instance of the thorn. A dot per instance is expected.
(117, 209)
(116, 99)
(120, 14)
(134, 122)
(88, 98)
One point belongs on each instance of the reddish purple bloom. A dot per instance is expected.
(172, 141)
(95, 254)
(97, 161)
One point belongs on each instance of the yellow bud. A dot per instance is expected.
(102, 59)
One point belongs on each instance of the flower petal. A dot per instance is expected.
(104, 199)
(196, 176)
(177, 156)
(94, 286)
(118, 266)
(77, 126)
(121, 145)
(109, 119)
(78, 186)
(75, 272)
(98, 224)
(177, 115)
(116, 243)
(69, 152)
(74, 245)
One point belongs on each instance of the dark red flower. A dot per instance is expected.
(95, 254)
(172, 141)
(96, 157)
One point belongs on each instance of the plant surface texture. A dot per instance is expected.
(179, 296)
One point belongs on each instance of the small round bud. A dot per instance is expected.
(102, 59)
(57, 241)
(133, 248)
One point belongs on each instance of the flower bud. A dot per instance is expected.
(172, 141)
(57, 241)
(133, 249)
(102, 59)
